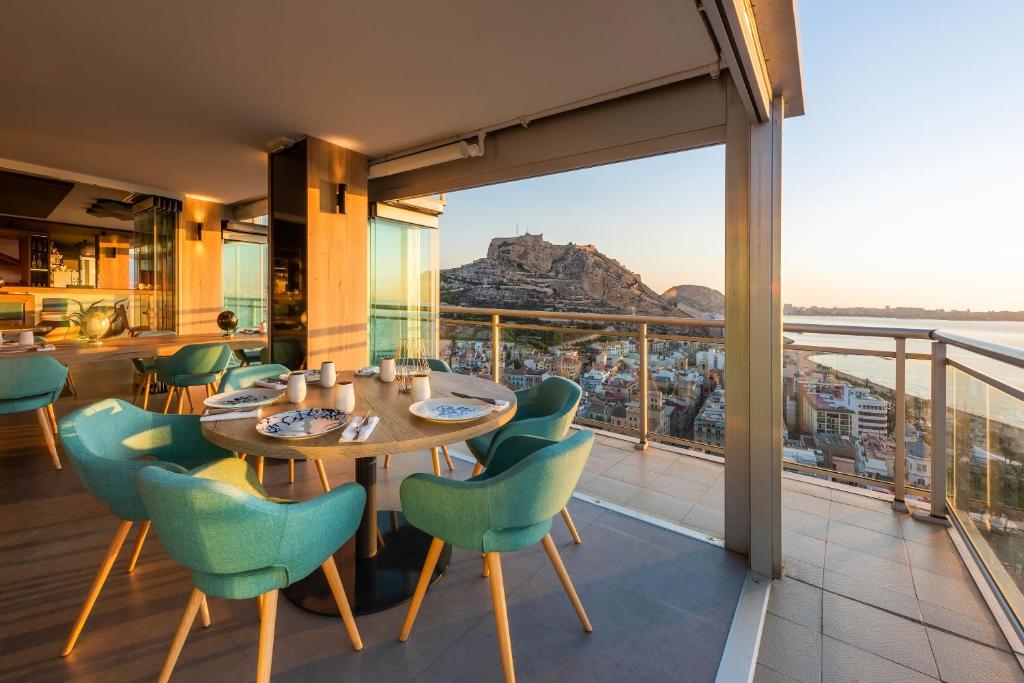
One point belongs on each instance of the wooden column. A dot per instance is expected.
(753, 337)
(199, 263)
(324, 250)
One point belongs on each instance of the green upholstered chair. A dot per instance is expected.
(33, 383)
(547, 410)
(194, 365)
(240, 543)
(146, 366)
(107, 442)
(243, 378)
(507, 508)
(435, 365)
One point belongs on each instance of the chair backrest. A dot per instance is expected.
(210, 526)
(111, 439)
(195, 359)
(539, 486)
(33, 375)
(556, 398)
(245, 377)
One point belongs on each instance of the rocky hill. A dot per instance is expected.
(695, 300)
(528, 272)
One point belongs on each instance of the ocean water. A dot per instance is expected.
(969, 394)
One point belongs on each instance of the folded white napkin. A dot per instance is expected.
(368, 370)
(500, 404)
(233, 415)
(272, 384)
(357, 432)
(46, 347)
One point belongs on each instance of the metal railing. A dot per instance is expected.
(936, 342)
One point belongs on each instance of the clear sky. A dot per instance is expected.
(903, 184)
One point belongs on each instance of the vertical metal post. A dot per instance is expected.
(496, 348)
(938, 465)
(900, 469)
(642, 376)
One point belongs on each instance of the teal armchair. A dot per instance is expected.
(241, 543)
(243, 378)
(547, 411)
(107, 442)
(33, 383)
(435, 365)
(194, 365)
(507, 508)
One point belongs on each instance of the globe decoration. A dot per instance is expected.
(95, 324)
(227, 321)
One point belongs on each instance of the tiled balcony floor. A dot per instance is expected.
(869, 594)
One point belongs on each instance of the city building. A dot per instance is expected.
(709, 425)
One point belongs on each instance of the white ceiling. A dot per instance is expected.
(185, 95)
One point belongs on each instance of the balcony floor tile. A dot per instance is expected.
(844, 662)
(964, 661)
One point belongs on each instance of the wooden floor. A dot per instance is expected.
(660, 602)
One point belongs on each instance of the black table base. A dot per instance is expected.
(376, 583)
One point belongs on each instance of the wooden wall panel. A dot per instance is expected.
(113, 264)
(199, 265)
(337, 254)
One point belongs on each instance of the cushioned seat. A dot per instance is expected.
(507, 508)
(194, 365)
(107, 442)
(240, 543)
(33, 383)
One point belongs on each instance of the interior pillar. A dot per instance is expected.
(753, 337)
(319, 240)
(199, 265)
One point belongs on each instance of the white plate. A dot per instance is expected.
(312, 376)
(302, 423)
(243, 398)
(450, 409)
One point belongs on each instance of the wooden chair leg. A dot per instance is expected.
(338, 590)
(572, 527)
(209, 390)
(291, 471)
(188, 395)
(140, 538)
(71, 383)
(477, 469)
(52, 416)
(170, 397)
(448, 459)
(145, 392)
(563, 576)
(259, 468)
(138, 394)
(433, 553)
(323, 475)
(242, 456)
(387, 461)
(501, 616)
(194, 600)
(204, 613)
(182, 392)
(437, 462)
(97, 584)
(486, 572)
(268, 618)
(51, 445)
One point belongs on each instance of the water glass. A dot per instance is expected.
(420, 387)
(297, 387)
(328, 375)
(26, 338)
(387, 370)
(345, 397)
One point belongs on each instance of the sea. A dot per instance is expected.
(967, 392)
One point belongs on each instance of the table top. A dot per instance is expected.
(126, 348)
(398, 431)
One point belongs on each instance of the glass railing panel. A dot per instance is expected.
(686, 393)
(986, 485)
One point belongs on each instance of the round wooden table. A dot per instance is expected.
(377, 577)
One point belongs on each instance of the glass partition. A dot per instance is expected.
(245, 281)
(403, 285)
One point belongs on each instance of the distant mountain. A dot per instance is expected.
(908, 312)
(694, 300)
(528, 272)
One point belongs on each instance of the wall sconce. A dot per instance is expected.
(342, 187)
(199, 231)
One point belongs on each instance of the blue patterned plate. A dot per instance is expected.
(450, 409)
(243, 398)
(302, 423)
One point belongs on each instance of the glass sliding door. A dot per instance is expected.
(403, 285)
(245, 281)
